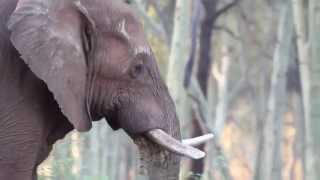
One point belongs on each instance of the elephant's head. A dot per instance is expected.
(95, 59)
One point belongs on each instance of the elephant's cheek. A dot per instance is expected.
(157, 163)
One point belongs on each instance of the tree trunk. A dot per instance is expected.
(301, 26)
(260, 110)
(277, 101)
(313, 156)
(178, 56)
(221, 77)
(205, 59)
(76, 154)
(299, 146)
(94, 149)
(203, 70)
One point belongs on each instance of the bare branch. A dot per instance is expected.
(226, 8)
(195, 93)
(226, 30)
(195, 23)
(156, 28)
(165, 14)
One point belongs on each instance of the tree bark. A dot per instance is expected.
(313, 156)
(221, 77)
(203, 70)
(206, 31)
(178, 56)
(301, 26)
(273, 127)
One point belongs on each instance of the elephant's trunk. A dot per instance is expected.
(159, 163)
(156, 159)
(162, 164)
(160, 149)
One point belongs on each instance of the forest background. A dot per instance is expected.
(246, 70)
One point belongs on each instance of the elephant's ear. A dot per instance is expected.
(47, 34)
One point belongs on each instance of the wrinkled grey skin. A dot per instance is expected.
(66, 63)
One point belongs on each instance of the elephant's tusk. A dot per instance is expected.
(163, 139)
(198, 140)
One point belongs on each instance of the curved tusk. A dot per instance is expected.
(198, 140)
(161, 138)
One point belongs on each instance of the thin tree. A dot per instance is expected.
(178, 55)
(313, 133)
(272, 160)
(212, 13)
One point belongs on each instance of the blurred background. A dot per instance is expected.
(246, 70)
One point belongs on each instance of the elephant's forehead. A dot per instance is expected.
(108, 13)
(117, 17)
(136, 38)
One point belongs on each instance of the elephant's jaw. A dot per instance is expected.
(160, 153)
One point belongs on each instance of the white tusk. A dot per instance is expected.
(163, 139)
(198, 140)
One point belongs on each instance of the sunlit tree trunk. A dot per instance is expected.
(178, 59)
(76, 154)
(179, 56)
(94, 150)
(313, 126)
(301, 26)
(277, 100)
(104, 150)
(299, 146)
(221, 74)
(62, 159)
(300, 12)
(45, 170)
(260, 110)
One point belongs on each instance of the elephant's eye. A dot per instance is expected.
(137, 70)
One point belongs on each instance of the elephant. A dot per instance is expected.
(67, 63)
